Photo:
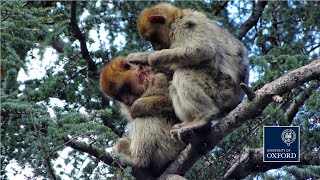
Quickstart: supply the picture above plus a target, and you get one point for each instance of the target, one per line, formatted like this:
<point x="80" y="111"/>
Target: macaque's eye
<point x="126" y="67"/>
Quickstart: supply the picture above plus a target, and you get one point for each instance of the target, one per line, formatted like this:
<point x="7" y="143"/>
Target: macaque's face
<point x="124" y="81"/>
<point x="158" y="36"/>
<point x="153" y="28"/>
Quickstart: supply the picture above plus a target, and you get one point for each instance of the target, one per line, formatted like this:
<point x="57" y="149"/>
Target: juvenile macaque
<point x="208" y="63"/>
<point x="145" y="100"/>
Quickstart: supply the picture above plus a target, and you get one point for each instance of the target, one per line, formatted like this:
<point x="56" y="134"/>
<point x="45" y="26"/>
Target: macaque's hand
<point x="122" y="146"/>
<point x="138" y="58"/>
<point x="137" y="108"/>
<point x="154" y="60"/>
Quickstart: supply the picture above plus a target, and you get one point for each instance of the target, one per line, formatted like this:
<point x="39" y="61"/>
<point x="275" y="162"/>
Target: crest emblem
<point x="288" y="136"/>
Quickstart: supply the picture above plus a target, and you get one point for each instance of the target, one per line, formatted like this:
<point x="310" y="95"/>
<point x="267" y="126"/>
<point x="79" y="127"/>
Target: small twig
<point x="249" y="92"/>
<point x="219" y="7"/>
<point x="120" y="165"/>
<point x="64" y="144"/>
<point x="38" y="134"/>
<point x="299" y="100"/>
<point x="252" y="20"/>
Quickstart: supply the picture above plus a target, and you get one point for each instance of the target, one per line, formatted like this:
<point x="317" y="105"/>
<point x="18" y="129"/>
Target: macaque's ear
<point x="156" y="19"/>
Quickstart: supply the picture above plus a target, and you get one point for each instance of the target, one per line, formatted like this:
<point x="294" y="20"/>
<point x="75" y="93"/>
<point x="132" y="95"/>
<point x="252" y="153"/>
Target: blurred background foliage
<point x="42" y="111"/>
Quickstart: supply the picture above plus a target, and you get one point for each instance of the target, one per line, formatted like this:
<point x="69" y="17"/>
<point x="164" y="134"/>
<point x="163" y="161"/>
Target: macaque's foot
<point x="179" y="125"/>
<point x="175" y="129"/>
<point x="183" y="132"/>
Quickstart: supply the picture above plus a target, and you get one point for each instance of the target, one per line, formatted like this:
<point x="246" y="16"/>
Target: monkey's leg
<point x="191" y="102"/>
<point x="190" y="132"/>
<point x="143" y="142"/>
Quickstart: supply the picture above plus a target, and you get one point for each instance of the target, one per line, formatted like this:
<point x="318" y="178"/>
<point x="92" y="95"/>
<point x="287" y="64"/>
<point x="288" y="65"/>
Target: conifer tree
<point x="71" y="41"/>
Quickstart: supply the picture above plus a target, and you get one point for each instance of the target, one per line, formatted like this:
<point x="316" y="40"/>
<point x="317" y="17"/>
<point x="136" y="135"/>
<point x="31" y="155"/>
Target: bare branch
<point x="243" y="112"/>
<point x="64" y="144"/>
<point x="298" y="102"/>
<point x="78" y="34"/>
<point x="100" y="154"/>
<point x="218" y="7"/>
<point x="252" y="20"/>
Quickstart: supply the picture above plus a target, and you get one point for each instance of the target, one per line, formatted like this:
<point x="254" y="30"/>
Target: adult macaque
<point x="145" y="100"/>
<point x="208" y="63"/>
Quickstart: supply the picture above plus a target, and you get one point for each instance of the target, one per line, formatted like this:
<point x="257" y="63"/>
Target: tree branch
<point x="77" y="33"/>
<point x="239" y="160"/>
<point x="100" y="154"/>
<point x="218" y="7"/>
<point x="252" y="20"/>
<point x="105" y="157"/>
<point x="298" y="102"/>
<point x="242" y="113"/>
<point x="251" y="161"/>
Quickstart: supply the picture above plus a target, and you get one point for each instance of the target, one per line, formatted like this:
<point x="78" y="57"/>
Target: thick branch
<point x="298" y="102"/>
<point x="252" y="161"/>
<point x="77" y="32"/>
<point x="100" y="154"/>
<point x="218" y="6"/>
<point x="250" y="109"/>
<point x="243" y="112"/>
<point x="252" y="20"/>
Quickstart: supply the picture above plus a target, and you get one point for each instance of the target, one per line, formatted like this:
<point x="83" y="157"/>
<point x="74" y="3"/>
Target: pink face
<point x="124" y="81"/>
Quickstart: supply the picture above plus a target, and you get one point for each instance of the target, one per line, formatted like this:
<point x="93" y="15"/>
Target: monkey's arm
<point x="151" y="106"/>
<point x="140" y="57"/>
<point x="179" y="57"/>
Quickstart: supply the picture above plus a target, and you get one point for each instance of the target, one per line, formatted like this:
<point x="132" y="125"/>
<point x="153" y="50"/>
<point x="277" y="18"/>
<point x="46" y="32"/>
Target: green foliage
<point x="34" y="130"/>
<point x="304" y="173"/>
<point x="271" y="67"/>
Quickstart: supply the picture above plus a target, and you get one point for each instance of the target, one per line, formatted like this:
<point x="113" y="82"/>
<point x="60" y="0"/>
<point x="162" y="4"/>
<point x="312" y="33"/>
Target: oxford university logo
<point x="288" y="136"/>
<point x="281" y="144"/>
